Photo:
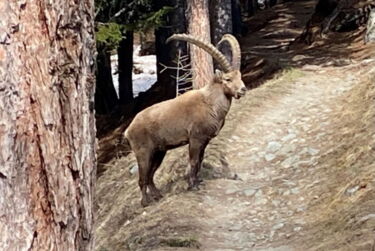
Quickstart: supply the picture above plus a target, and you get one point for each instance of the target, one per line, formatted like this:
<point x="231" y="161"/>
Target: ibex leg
<point x="196" y="153"/>
<point x="156" y="161"/>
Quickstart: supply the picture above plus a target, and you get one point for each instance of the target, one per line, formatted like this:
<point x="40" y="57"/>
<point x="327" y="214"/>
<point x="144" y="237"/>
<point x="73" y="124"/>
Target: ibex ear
<point x="218" y="73"/>
<point x="218" y="78"/>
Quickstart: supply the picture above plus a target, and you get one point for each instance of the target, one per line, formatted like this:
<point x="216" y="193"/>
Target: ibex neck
<point x="217" y="100"/>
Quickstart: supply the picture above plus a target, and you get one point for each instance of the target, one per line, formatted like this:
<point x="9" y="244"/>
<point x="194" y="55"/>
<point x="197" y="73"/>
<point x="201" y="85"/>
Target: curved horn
<point x="208" y="47"/>
<point x="236" y="50"/>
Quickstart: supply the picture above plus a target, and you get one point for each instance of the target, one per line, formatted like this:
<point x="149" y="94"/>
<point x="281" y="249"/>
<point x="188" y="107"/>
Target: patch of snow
<point x="141" y="81"/>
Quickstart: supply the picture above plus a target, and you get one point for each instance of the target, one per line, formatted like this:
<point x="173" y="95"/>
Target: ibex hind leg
<point x="144" y="165"/>
<point x="156" y="161"/>
<point x="196" y="153"/>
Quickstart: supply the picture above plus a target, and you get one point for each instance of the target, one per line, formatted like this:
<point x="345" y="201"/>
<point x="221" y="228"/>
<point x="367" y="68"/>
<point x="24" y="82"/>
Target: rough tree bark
<point x="125" y="68"/>
<point x="199" y="26"/>
<point x="47" y="125"/>
<point x="167" y="54"/>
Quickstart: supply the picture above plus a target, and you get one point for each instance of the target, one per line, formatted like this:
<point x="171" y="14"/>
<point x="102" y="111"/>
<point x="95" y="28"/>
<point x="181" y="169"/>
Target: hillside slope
<point x="292" y="169"/>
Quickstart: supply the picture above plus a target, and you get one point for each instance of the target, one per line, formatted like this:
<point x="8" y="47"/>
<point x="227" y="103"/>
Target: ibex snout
<point x="240" y="93"/>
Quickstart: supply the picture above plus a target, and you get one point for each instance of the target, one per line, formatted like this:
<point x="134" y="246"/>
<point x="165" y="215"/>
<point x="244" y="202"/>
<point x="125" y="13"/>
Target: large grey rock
<point x="249" y="192"/>
<point x="273" y="146"/>
<point x="269" y="156"/>
<point x="289" y="161"/>
<point x="278" y="226"/>
<point x="288" y="137"/>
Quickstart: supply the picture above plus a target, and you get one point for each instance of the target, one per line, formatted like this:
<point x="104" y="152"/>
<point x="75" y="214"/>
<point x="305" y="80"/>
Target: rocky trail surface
<point x="276" y="153"/>
<point x="292" y="169"/>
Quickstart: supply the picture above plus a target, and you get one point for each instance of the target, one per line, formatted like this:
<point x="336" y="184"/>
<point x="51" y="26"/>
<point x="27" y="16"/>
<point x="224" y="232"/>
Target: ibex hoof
<point x="194" y="187"/>
<point x="145" y="202"/>
<point x="157" y="196"/>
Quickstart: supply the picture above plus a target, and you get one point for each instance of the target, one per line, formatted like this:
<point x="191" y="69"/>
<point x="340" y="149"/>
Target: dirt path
<point x="275" y="152"/>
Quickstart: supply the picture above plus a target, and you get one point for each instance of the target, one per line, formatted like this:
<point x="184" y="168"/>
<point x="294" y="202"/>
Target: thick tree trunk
<point x="47" y="125"/>
<point x="221" y="23"/>
<point x="220" y="19"/>
<point x="252" y="7"/>
<point x="237" y="19"/>
<point x="105" y="96"/>
<point x="125" y="68"/>
<point x="167" y="54"/>
<point x="199" y="26"/>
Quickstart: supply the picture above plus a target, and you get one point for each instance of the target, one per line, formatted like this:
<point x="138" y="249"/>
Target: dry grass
<point x="347" y="212"/>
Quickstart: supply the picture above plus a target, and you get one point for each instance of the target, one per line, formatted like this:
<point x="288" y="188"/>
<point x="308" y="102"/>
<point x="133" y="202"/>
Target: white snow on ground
<point x="142" y="81"/>
<point x="114" y="69"/>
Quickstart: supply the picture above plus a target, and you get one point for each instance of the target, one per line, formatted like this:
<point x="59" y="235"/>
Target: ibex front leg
<point x="196" y="153"/>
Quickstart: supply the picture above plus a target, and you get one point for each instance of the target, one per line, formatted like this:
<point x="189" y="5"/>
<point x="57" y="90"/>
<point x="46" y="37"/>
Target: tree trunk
<point x="199" y="26"/>
<point x="221" y="23"/>
<point x="237" y="19"/>
<point x="252" y="7"/>
<point x="125" y="68"/>
<point x="220" y="19"/>
<point x="313" y="27"/>
<point x="47" y="125"/>
<point x="167" y="54"/>
<point x="105" y="95"/>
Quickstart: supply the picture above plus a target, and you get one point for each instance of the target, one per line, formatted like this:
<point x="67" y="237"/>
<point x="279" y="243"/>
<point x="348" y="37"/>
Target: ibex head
<point x="231" y="75"/>
<point x="232" y="78"/>
<point x="232" y="83"/>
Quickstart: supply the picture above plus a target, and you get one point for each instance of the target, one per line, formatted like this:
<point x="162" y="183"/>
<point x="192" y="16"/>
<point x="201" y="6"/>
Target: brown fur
<point x="193" y="118"/>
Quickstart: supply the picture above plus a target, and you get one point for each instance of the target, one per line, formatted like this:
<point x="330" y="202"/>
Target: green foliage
<point x="154" y="19"/>
<point x="109" y="34"/>
<point x="122" y="11"/>
<point x="117" y="16"/>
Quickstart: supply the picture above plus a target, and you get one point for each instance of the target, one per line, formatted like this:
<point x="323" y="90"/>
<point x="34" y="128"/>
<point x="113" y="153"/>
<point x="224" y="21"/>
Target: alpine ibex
<point x="193" y="118"/>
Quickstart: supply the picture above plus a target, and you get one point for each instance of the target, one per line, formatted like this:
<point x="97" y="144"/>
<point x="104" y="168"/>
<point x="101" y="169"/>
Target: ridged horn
<point x="235" y="48"/>
<point x="208" y="47"/>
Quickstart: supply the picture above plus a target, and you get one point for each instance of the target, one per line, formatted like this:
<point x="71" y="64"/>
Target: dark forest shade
<point x="221" y="23"/>
<point x="236" y="18"/>
<point x="125" y="67"/>
<point x="220" y="19"/>
<point x="167" y="54"/>
<point x="105" y="96"/>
